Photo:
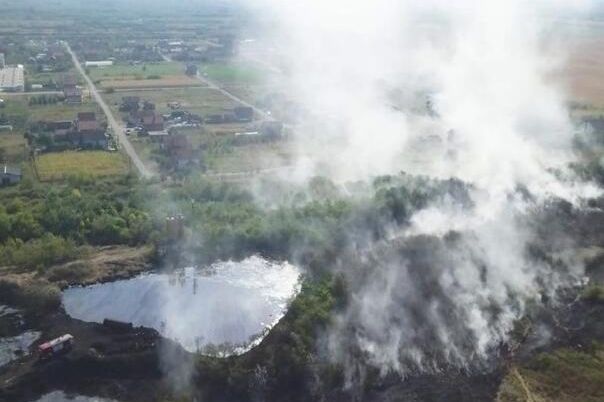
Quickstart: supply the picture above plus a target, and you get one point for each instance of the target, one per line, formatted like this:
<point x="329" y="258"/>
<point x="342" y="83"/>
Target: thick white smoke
<point x="444" y="89"/>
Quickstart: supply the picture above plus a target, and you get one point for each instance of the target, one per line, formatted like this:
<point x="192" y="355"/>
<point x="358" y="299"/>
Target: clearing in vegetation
<point x="231" y="73"/>
<point x="151" y="75"/>
<point x="57" y="166"/>
<point x="139" y="70"/>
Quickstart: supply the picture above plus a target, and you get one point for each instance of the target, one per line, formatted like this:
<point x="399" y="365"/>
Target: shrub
<point x="38" y="253"/>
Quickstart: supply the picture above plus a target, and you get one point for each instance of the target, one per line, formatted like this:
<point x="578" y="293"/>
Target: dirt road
<point x="216" y="87"/>
<point x="117" y="128"/>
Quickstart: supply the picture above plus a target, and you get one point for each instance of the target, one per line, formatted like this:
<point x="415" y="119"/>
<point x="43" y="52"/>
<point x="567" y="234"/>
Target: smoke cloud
<point x="446" y="90"/>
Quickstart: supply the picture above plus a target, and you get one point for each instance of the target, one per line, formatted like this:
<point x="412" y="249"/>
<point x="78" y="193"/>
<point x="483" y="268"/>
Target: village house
<point x="244" y="114"/>
<point x="94" y="139"/>
<point x="10" y="175"/>
<point x="149" y="120"/>
<point x="180" y="151"/>
<point x="61" y="127"/>
<point x="98" y="63"/>
<point x="191" y="70"/>
<point x="87" y="122"/>
<point x="72" y="95"/>
<point x="69" y="80"/>
<point x="271" y="129"/>
<point x="130" y="104"/>
<point x="84" y="132"/>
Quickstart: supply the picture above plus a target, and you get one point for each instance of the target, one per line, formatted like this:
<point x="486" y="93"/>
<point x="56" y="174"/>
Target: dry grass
<point x="14" y="146"/>
<point x="57" y="166"/>
<point x="565" y="375"/>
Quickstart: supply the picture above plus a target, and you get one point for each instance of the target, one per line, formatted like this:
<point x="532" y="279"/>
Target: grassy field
<point x="201" y="101"/>
<point x="249" y="158"/>
<point x="60" y="111"/>
<point x="33" y="77"/>
<point x="56" y="166"/>
<point x="13" y="146"/>
<point x="19" y="112"/>
<point x="205" y="101"/>
<point x="142" y="70"/>
<point x="164" y="82"/>
<point x="151" y="75"/>
<point x="230" y="73"/>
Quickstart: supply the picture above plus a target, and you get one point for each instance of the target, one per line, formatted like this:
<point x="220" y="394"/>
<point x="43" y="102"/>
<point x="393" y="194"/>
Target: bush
<point x="69" y="273"/>
<point x="38" y="253"/>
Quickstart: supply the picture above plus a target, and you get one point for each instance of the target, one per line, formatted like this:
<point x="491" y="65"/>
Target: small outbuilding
<point x="10" y="175"/>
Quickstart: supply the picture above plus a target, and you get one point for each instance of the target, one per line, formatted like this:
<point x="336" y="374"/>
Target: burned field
<point x="331" y="212"/>
<point x="117" y="361"/>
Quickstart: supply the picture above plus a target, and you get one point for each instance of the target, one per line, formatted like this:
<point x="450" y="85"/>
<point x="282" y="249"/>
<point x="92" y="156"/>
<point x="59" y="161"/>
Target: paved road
<point x="117" y="128"/>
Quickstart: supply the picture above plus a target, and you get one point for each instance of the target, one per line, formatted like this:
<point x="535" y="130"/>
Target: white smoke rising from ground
<point x="363" y="71"/>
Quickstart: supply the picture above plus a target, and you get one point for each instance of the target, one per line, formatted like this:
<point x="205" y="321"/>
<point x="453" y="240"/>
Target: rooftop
<point x="86" y="116"/>
<point x="11" y="170"/>
<point x="11" y="78"/>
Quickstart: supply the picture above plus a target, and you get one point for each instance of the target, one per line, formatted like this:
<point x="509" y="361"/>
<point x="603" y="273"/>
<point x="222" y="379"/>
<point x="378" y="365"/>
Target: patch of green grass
<point x="57" y="166"/>
<point x="232" y="73"/>
<point x="142" y="70"/>
<point x="19" y="112"/>
<point x="13" y="146"/>
<point x="34" y="77"/>
<point x="201" y="101"/>
<point x="60" y="111"/>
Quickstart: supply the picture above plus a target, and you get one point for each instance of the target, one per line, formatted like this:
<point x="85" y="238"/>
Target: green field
<point x="13" y="147"/>
<point x="20" y="113"/>
<point x="201" y="101"/>
<point x="249" y="158"/>
<point x="60" y="111"/>
<point x="233" y="73"/>
<point x="57" y="166"/>
<point x="142" y="70"/>
<point x="33" y="77"/>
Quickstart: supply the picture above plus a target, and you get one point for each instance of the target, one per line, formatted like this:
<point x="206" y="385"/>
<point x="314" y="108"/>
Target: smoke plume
<point x="446" y="90"/>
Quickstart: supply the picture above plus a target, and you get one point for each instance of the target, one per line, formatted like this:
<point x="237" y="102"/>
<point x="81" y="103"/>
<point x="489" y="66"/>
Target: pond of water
<point x="222" y="309"/>
<point x="60" y="396"/>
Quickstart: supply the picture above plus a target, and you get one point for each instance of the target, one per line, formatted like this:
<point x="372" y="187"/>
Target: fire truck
<point x="55" y="347"/>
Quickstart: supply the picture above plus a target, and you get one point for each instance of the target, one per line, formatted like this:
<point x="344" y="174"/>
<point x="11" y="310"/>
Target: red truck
<point x="60" y="345"/>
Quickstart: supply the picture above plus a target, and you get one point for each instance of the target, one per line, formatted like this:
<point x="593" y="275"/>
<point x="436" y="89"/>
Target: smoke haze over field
<point x="443" y="89"/>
